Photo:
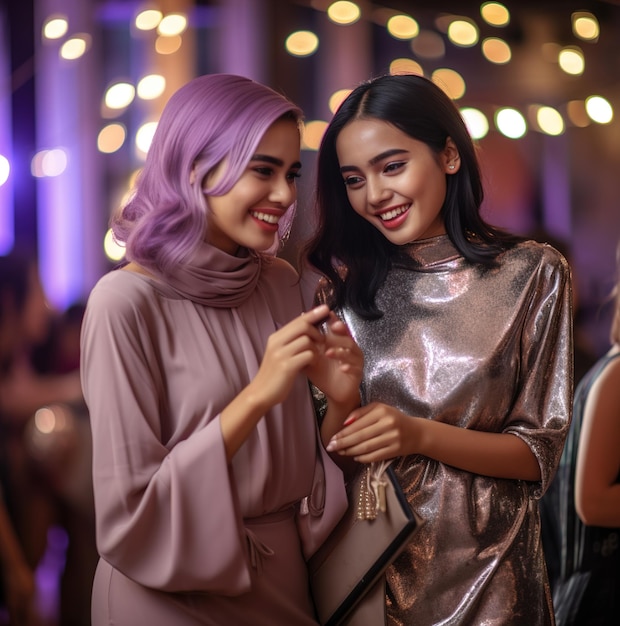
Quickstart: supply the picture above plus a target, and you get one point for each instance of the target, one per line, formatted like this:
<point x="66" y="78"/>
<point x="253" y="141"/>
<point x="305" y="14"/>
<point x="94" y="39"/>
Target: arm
<point x="377" y="432"/>
<point x="296" y="346"/>
<point x="530" y="432"/>
<point x="148" y="494"/>
<point x="17" y="575"/>
<point x="152" y="483"/>
<point x="338" y="374"/>
<point x="597" y="491"/>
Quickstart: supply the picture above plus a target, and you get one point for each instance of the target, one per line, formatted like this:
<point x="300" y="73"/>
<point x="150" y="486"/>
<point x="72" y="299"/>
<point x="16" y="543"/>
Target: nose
<point x="377" y="191"/>
<point x="283" y="191"/>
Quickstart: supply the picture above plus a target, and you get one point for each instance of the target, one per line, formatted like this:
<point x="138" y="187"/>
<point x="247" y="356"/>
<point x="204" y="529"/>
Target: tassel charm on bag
<point x="366" y="502"/>
<point x="347" y="572"/>
<point x="372" y="498"/>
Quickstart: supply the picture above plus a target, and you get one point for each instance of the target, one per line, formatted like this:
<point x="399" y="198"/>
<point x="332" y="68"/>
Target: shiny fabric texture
<point x="486" y="349"/>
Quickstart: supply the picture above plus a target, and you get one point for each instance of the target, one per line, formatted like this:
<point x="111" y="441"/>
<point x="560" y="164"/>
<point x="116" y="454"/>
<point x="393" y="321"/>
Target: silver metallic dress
<point x="489" y="350"/>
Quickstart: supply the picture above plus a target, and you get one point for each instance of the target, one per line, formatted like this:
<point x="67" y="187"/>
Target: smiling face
<point x="395" y="182"/>
<point x="249" y="213"/>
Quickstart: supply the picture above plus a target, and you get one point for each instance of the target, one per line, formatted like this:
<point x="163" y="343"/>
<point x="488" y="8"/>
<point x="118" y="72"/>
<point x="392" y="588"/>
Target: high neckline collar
<point x="215" y="278"/>
<point x="428" y="253"/>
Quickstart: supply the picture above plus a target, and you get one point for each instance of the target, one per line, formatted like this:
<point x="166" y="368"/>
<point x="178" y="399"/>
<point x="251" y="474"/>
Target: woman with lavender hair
<point x="211" y="487"/>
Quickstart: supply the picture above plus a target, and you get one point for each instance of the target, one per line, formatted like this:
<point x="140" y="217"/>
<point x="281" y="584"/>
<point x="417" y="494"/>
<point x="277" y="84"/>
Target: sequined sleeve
<point x="542" y="409"/>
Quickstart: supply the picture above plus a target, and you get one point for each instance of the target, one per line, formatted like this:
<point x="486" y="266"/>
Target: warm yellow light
<point x="168" y="45"/>
<point x="55" y="27"/>
<point x="406" y="66"/>
<point x="75" y="47"/>
<point x="144" y="137"/>
<point x="463" y="32"/>
<point x="599" y="109"/>
<point x="337" y="98"/>
<point x="403" y="27"/>
<point x="476" y="122"/>
<point x="113" y="250"/>
<point x="302" y="43"/>
<point x="495" y="14"/>
<point x="148" y="19"/>
<point x="496" y="50"/>
<point x="571" y="60"/>
<point x="151" y="86"/>
<point x="111" y="138"/>
<point x="585" y="25"/>
<point x="450" y="81"/>
<point x="510" y="123"/>
<point x="173" y="24"/>
<point x="344" y="12"/>
<point x="313" y="133"/>
<point x="549" y="121"/>
<point x="119" y="95"/>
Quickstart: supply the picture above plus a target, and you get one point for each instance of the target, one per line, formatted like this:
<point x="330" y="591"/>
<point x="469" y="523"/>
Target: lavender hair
<point x="213" y="119"/>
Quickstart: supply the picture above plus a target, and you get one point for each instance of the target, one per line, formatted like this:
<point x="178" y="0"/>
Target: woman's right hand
<point x="289" y="350"/>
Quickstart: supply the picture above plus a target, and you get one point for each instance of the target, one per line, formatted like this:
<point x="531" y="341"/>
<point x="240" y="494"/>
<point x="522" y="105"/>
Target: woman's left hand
<point x="337" y="371"/>
<point x="376" y="432"/>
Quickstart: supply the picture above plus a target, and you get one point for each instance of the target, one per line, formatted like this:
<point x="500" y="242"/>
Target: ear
<point x="450" y="158"/>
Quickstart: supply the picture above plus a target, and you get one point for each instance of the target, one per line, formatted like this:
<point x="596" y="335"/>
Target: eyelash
<point x="268" y="171"/>
<point x="352" y="180"/>
<point x="394" y="166"/>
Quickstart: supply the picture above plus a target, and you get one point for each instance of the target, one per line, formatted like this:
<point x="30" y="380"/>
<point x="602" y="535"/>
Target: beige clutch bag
<point x="376" y="527"/>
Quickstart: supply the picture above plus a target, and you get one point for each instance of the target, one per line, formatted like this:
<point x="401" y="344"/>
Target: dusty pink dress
<point x="184" y="537"/>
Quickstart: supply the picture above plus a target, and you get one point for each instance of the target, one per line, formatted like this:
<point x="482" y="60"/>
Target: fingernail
<point x="349" y="420"/>
<point x="331" y="446"/>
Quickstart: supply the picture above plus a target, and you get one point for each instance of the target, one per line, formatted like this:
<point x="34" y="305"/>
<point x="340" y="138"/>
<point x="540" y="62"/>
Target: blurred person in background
<point x="18" y="586"/>
<point x="552" y="504"/>
<point x="27" y="324"/>
<point x="588" y="591"/>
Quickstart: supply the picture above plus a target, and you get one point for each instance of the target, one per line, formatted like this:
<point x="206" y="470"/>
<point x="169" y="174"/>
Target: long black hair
<point x="346" y="241"/>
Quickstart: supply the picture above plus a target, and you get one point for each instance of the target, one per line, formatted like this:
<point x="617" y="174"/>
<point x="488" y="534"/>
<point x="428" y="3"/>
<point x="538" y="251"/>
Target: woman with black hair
<point x="466" y="334"/>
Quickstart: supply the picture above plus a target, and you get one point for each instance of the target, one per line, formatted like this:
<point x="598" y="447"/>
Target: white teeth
<point x="390" y="215"/>
<point x="266" y="217"/>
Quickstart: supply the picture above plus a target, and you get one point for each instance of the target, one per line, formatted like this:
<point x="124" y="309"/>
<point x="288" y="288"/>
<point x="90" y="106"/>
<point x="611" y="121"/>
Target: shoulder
<point x="537" y="258"/>
<point x="279" y="269"/>
<point x="120" y="294"/>
<point x="608" y="378"/>
<point x="542" y="253"/>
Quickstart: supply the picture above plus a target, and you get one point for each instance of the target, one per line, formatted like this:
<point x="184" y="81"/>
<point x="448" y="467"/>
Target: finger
<point x="318" y="315"/>
<point x="301" y="326"/>
<point x="382" y="454"/>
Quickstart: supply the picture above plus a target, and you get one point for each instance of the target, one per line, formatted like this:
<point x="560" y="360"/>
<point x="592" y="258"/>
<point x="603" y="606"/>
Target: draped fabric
<point x="186" y="538"/>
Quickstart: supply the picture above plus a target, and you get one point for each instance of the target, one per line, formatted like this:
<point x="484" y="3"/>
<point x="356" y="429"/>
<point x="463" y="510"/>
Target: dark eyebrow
<point x="376" y="159"/>
<point x="274" y="161"/>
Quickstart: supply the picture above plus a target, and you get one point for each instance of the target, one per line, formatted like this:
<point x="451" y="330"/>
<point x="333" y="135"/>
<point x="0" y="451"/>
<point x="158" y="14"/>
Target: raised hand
<point x="289" y="351"/>
<point x="337" y="370"/>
